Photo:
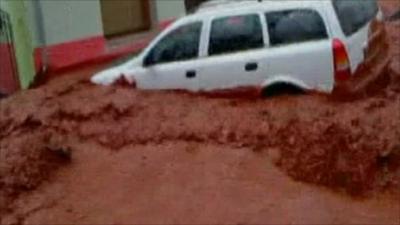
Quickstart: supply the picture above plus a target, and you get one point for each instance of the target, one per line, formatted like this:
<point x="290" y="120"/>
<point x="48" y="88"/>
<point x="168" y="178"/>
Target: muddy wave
<point x="345" y="145"/>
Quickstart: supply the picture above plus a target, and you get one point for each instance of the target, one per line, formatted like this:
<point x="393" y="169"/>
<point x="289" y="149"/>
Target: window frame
<point x="162" y="36"/>
<point x="207" y="36"/>
<point x="320" y="13"/>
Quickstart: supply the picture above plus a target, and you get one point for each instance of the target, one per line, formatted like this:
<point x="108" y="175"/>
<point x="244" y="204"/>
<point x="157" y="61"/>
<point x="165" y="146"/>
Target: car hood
<point x="111" y="75"/>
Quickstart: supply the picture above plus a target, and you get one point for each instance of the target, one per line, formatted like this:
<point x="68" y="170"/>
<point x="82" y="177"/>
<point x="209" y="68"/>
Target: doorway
<point x="122" y="16"/>
<point x="9" y="81"/>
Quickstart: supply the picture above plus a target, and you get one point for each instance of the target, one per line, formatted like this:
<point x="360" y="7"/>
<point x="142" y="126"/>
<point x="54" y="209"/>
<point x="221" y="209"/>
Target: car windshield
<point x="124" y="59"/>
<point x="354" y="14"/>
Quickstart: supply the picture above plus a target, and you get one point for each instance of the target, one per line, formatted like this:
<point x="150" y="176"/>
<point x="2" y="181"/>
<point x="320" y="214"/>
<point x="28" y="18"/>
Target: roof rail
<point x="217" y="3"/>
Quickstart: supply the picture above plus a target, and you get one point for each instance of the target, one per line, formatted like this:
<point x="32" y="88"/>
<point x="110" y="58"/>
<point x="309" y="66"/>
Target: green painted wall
<point x="32" y="22"/>
<point x="22" y="39"/>
<point x="3" y="38"/>
<point x="167" y="9"/>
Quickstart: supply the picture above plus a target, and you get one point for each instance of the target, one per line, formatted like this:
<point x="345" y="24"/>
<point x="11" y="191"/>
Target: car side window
<point x="295" y="26"/>
<point x="354" y="14"/>
<point x="235" y="33"/>
<point x="180" y="44"/>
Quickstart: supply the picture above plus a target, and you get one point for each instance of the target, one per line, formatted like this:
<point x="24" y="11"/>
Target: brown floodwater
<point x="73" y="152"/>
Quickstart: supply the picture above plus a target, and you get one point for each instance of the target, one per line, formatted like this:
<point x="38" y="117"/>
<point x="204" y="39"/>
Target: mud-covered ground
<point x="72" y="152"/>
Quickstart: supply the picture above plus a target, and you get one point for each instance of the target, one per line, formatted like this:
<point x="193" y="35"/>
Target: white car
<point x="312" y="45"/>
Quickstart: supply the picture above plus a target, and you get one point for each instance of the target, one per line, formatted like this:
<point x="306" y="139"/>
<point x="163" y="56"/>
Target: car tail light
<point x="341" y="61"/>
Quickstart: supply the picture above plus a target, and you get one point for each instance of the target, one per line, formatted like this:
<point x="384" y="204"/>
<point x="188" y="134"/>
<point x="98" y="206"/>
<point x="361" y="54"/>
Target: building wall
<point x="72" y="30"/>
<point x="32" y="22"/>
<point x="22" y="42"/>
<point x="191" y="5"/>
<point x="167" y="9"/>
<point x="66" y="20"/>
<point x="9" y="81"/>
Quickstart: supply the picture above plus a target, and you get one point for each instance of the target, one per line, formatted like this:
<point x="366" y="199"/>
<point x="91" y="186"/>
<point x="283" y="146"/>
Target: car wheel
<point x="281" y="89"/>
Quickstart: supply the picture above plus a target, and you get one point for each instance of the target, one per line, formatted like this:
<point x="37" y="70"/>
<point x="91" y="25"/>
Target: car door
<point x="300" y="48"/>
<point x="172" y="62"/>
<point x="234" y="50"/>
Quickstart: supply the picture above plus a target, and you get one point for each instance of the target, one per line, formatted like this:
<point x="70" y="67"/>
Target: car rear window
<point x="295" y="26"/>
<point x="235" y="33"/>
<point x="354" y="14"/>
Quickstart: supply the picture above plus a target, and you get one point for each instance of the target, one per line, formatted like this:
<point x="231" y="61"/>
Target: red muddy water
<point x="73" y="152"/>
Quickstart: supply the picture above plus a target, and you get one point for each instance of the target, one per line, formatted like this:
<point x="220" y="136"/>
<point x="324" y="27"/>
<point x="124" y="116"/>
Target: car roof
<point x="221" y="7"/>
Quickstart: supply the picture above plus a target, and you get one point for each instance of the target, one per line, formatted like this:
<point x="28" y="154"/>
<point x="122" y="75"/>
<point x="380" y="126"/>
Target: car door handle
<point x="190" y="73"/>
<point x="251" y="66"/>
